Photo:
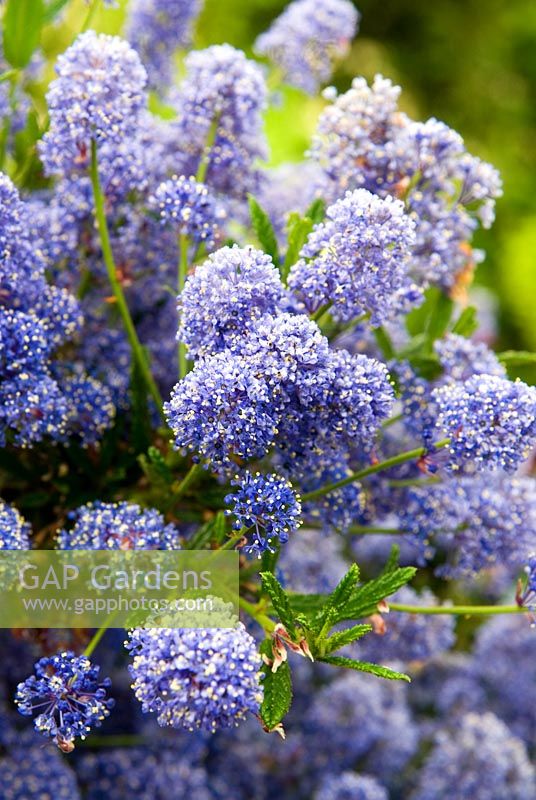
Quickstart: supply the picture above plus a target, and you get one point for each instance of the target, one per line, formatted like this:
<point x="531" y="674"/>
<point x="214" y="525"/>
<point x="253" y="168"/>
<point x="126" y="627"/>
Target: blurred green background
<point x="471" y="63"/>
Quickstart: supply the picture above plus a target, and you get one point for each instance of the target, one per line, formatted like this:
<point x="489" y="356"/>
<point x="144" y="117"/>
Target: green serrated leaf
<point x="22" y="23"/>
<point x="364" y="666"/>
<point x="392" y="561"/>
<point x="263" y="229"/>
<point x="307" y="603"/>
<point x="280" y="601"/>
<point x="344" y="589"/>
<point x="277" y="690"/>
<point x="342" y="638"/>
<point x="298" y="228"/>
<point x="316" y="211"/>
<point x="155" y="468"/>
<point x="366" y="598"/>
<point x="467" y="322"/>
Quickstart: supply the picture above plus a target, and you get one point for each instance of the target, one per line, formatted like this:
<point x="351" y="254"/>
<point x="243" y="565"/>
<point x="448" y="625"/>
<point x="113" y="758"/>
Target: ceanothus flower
<point x="118" y="526"/>
<point x="350" y="786"/>
<point x="307" y="38"/>
<point x="14" y="530"/>
<point x="187" y="207"/>
<point x="35" y="772"/>
<point x="98" y="95"/>
<point x="205" y="678"/>
<point x="225" y="296"/>
<point x="479" y="759"/>
<point x="91" y="410"/>
<point x="461" y="358"/>
<point x="225" y="408"/>
<point x="68" y="696"/>
<point x="143" y="773"/>
<point x="356" y="262"/>
<point x="527" y="596"/>
<point x="268" y="509"/>
<point x="409" y="637"/>
<point x="156" y="29"/>
<point x="220" y="104"/>
<point x="33" y="409"/>
<point x="490" y="421"/>
<point x="479" y="520"/>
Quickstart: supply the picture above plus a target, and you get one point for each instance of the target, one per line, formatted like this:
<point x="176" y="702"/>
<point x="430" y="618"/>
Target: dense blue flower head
<point x="118" y="526"/>
<point x="268" y="505"/>
<point x="481" y="760"/>
<point x="224" y="90"/>
<point x="358" y="259"/>
<point x="14" y="530"/>
<point x="224" y="408"/>
<point x="480" y="521"/>
<point x="187" y="207"/>
<point x="362" y="719"/>
<point x="225" y="296"/>
<point x="350" y="786"/>
<point x="68" y="697"/>
<point x="141" y="773"/>
<point x="156" y="29"/>
<point x="504" y="664"/>
<point x="409" y="637"/>
<point x="204" y="678"/>
<point x="24" y="345"/>
<point x="460" y="358"/>
<point x="98" y="94"/>
<point x="33" y="409"/>
<point x="528" y="594"/>
<point x="308" y="36"/>
<point x="91" y="410"/>
<point x="364" y="141"/>
<point x="490" y="421"/>
<point x="36" y="773"/>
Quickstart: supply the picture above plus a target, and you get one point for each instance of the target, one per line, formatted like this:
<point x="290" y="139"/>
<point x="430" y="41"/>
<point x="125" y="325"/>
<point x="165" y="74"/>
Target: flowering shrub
<point x="200" y="352"/>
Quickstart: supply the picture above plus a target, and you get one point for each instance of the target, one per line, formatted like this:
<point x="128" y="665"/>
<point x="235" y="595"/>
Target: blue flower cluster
<point x="266" y="508"/>
<point x="307" y="38"/>
<point x="357" y="261"/>
<point x="34" y="772"/>
<point x="68" y="697"/>
<point x="196" y="678"/>
<point x="118" y="526"/>
<point x="187" y="207"/>
<point x="156" y="29"/>
<point x="363" y="141"/>
<point x="14" y="530"/>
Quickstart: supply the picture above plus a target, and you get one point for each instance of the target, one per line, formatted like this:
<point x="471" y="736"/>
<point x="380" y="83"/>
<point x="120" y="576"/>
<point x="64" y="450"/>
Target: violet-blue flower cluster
<point x="68" y="697"/>
<point x="196" y="678"/>
<point x="14" y="530"/>
<point x="266" y="508"/>
<point x="118" y="526"/>
<point x="186" y="206"/>
<point x="307" y="38"/>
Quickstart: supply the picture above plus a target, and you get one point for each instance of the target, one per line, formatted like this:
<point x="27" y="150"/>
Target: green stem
<point x="90" y="15"/>
<point x="124" y="740"/>
<point x="183" y="270"/>
<point x="233" y="540"/>
<point x="264" y="621"/>
<point x="137" y="349"/>
<point x="6" y="76"/>
<point x="321" y="311"/>
<point x="192" y="474"/>
<point x="363" y="530"/>
<point x="401" y="458"/>
<point x="211" y="138"/>
<point x="96" y="638"/>
<point x="458" y="610"/>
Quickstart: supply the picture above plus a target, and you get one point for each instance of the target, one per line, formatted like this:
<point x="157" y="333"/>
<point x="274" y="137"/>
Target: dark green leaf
<point x="213" y="530"/>
<point x="467" y="322"/>
<point x="392" y="561"/>
<point x="307" y="603"/>
<point x="33" y="499"/>
<point x="280" y="601"/>
<point x="427" y="366"/>
<point x="384" y="342"/>
<point x="277" y="690"/>
<point x="263" y="229"/>
<point x="440" y="317"/>
<point x="364" y="666"/>
<point x="342" y="638"/>
<point x="316" y="211"/>
<point x="298" y="228"/>
<point x="23" y="20"/>
<point x="344" y="589"/>
<point x="155" y="468"/>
